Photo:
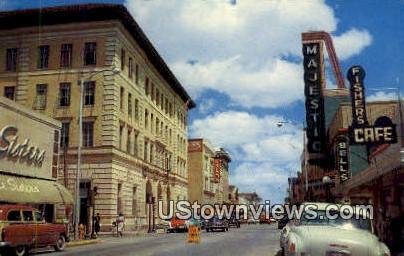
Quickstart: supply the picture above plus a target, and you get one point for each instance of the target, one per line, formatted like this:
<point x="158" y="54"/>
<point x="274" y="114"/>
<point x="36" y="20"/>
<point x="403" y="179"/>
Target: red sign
<point x="217" y="169"/>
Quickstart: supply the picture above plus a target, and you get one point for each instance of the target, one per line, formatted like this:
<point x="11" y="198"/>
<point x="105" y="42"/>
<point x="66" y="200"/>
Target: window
<point x="28" y="216"/>
<point x="121" y="98"/>
<point x="66" y="55"/>
<point x="9" y="92"/>
<point x="120" y="136"/>
<point x="64" y="139"/>
<point x="146" y="86"/>
<point x="136" y="109"/>
<point x="135" y="144"/>
<point x="134" y="202"/>
<point x="64" y="94"/>
<point x="40" y="100"/>
<point x="43" y="60"/>
<point x="146" y="118"/>
<point x="152" y="92"/>
<point x="88" y="134"/>
<point x="157" y="97"/>
<point x="130" y="67"/>
<point x="151" y="153"/>
<point x="11" y="59"/>
<point x="90" y="53"/>
<point x="128" y="142"/>
<point x="130" y="105"/>
<point x="89" y="93"/>
<point x="123" y="57"/>
<point x="146" y="148"/>
<point x="120" y="206"/>
<point x="137" y="74"/>
<point x="39" y="217"/>
<point x="14" y="216"/>
<point x="151" y="123"/>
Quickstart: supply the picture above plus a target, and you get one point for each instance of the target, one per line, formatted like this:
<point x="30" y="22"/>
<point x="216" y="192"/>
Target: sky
<point x="241" y="62"/>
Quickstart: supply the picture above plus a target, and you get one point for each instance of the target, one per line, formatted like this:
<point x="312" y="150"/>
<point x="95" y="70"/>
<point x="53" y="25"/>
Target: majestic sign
<point x="10" y="146"/>
<point x="342" y="159"/>
<point x="382" y="132"/>
<point x="314" y="100"/>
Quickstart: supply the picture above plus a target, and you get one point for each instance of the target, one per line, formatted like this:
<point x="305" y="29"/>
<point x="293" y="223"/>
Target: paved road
<point x="248" y="240"/>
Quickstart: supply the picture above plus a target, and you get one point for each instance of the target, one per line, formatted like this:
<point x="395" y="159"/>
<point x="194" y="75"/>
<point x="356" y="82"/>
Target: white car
<point x="323" y="236"/>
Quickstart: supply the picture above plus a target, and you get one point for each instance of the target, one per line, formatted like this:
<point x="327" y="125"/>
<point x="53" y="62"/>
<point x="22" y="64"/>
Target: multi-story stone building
<point x="134" y="132"/>
<point x="201" y="182"/>
<point x="208" y="173"/>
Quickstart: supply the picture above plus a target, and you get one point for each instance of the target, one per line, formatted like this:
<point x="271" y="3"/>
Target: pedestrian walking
<point x="120" y="221"/>
<point x="97" y="220"/>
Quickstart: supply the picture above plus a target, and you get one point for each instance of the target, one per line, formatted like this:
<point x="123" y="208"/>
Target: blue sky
<point x="241" y="62"/>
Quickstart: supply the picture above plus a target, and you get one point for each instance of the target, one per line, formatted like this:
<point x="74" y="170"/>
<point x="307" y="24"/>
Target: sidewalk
<point x="74" y="243"/>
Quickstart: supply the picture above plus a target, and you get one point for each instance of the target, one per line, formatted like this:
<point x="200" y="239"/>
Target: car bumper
<point x="4" y="244"/>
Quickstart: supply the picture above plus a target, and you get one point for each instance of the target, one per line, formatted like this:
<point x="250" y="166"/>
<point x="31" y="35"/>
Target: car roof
<point x="5" y="208"/>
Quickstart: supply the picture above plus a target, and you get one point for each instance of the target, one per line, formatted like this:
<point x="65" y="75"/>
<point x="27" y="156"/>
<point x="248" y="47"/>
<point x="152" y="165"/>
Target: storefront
<point x="29" y="160"/>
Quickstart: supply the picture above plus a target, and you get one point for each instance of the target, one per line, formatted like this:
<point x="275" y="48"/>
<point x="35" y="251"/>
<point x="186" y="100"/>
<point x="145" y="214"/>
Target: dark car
<point x="216" y="223"/>
<point x="234" y="222"/>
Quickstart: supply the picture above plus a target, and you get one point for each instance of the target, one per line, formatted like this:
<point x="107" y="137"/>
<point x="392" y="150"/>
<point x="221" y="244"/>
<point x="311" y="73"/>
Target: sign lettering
<point x="342" y="158"/>
<point x="10" y="147"/>
<point x="314" y="101"/>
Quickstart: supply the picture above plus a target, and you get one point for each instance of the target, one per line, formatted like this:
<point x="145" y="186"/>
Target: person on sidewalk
<point x="97" y="220"/>
<point x="120" y="221"/>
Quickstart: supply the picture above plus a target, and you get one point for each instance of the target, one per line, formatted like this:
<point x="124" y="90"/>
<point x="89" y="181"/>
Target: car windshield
<point x="321" y="219"/>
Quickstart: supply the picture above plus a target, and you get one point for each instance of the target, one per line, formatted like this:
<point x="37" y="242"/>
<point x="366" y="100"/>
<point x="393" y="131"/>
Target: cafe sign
<point x="382" y="132"/>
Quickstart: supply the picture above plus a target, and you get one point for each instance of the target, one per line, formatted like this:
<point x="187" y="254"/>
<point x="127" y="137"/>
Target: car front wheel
<point x="60" y="243"/>
<point x="20" y="250"/>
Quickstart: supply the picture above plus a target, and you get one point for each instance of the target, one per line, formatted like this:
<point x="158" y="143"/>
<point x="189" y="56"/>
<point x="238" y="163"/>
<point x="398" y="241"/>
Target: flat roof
<point x="94" y="12"/>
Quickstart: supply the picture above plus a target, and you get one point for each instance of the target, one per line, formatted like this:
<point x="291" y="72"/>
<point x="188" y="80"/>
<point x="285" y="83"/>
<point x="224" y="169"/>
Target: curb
<point x="83" y="242"/>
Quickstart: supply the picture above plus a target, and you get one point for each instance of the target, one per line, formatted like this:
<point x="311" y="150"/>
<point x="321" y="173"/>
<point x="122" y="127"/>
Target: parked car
<point x="216" y="223"/>
<point x="252" y="221"/>
<point x="234" y="222"/>
<point x="177" y="225"/>
<point x="332" y="236"/>
<point x="23" y="227"/>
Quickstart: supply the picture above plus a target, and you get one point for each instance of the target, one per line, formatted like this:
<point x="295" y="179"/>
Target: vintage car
<point x="216" y="223"/>
<point x="177" y="225"/>
<point x="23" y="227"/>
<point x="326" y="236"/>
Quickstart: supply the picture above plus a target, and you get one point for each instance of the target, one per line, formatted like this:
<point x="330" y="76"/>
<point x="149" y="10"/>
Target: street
<point x="248" y="240"/>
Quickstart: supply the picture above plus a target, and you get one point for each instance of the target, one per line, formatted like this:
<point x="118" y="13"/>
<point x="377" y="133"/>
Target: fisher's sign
<point x="314" y="100"/>
<point x="12" y="148"/>
<point x="382" y="132"/>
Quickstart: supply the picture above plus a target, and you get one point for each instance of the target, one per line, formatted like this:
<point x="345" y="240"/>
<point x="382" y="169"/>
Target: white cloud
<point x="276" y="84"/>
<point x="382" y="96"/>
<point x="351" y="43"/>
<point x="241" y="48"/>
<point x="266" y="153"/>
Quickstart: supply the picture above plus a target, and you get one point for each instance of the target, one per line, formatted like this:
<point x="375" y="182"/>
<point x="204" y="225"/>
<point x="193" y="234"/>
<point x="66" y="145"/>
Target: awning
<point x="14" y="189"/>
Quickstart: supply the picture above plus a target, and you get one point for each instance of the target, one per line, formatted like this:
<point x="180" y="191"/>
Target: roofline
<point x="95" y="12"/>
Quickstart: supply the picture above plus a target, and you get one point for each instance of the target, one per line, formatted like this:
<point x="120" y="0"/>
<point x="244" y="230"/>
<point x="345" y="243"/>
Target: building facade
<point x="134" y="130"/>
<point x="201" y="183"/>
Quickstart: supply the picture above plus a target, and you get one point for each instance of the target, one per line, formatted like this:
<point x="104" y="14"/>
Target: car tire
<point x="207" y="230"/>
<point x="60" y="243"/>
<point x="21" y="250"/>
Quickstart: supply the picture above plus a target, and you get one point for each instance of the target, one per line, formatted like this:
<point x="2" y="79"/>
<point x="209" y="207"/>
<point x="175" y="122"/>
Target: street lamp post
<point x="327" y="183"/>
<point x="79" y="146"/>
